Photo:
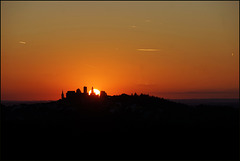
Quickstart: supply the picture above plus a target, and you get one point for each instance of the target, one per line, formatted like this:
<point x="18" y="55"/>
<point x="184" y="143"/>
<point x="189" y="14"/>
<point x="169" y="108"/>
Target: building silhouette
<point x="78" y="91"/>
<point x="78" y="95"/>
<point x="85" y="89"/>
<point x="103" y="94"/>
<point x="70" y="95"/>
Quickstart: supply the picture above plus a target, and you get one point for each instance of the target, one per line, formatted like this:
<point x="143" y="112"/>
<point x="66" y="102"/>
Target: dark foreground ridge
<point x="119" y="127"/>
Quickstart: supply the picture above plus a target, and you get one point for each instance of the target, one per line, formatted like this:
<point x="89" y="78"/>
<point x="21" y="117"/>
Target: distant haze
<point x="174" y="50"/>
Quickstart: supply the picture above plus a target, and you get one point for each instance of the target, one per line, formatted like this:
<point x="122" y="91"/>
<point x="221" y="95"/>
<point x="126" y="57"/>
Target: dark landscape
<point x="119" y="127"/>
<point x="166" y="78"/>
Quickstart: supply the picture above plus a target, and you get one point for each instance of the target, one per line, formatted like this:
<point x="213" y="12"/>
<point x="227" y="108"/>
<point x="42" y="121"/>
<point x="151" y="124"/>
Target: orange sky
<point x="166" y="49"/>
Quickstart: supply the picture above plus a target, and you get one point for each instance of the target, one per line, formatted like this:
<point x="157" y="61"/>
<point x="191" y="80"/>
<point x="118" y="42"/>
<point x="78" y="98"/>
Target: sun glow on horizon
<point x="96" y="91"/>
<point x="158" y="48"/>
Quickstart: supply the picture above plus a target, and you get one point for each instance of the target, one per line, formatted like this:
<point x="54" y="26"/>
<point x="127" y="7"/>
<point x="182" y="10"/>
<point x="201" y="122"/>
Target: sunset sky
<point x="174" y="50"/>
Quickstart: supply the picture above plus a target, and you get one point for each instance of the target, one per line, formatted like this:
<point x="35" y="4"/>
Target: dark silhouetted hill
<point x="119" y="127"/>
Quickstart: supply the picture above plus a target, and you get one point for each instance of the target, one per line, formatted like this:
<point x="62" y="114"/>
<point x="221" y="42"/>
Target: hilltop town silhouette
<point x="78" y="96"/>
<point x="87" y="126"/>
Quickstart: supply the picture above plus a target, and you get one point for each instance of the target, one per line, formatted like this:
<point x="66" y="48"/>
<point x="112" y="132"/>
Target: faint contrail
<point x="147" y="49"/>
<point x="133" y="26"/>
<point x="22" y="42"/>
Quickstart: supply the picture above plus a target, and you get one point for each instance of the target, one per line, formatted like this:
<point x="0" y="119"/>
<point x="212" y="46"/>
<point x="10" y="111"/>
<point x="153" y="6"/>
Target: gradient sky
<point x="173" y="50"/>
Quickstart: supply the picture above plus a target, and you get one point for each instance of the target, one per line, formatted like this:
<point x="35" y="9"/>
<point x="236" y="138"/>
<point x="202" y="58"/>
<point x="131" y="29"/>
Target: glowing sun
<point x="96" y="91"/>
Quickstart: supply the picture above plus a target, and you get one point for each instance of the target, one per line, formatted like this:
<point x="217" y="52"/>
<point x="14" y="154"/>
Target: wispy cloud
<point x="151" y="50"/>
<point x="22" y="42"/>
<point x="147" y="20"/>
<point x="229" y="91"/>
<point x="133" y="26"/>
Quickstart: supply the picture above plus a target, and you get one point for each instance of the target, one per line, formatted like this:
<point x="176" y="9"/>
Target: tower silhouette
<point x="85" y="90"/>
<point x="92" y="93"/>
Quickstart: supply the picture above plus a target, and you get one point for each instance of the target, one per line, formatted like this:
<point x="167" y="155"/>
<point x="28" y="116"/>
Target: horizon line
<point x="139" y="95"/>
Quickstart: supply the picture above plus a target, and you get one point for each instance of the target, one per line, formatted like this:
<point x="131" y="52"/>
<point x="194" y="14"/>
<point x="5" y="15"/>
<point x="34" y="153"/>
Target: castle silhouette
<point x="73" y="96"/>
